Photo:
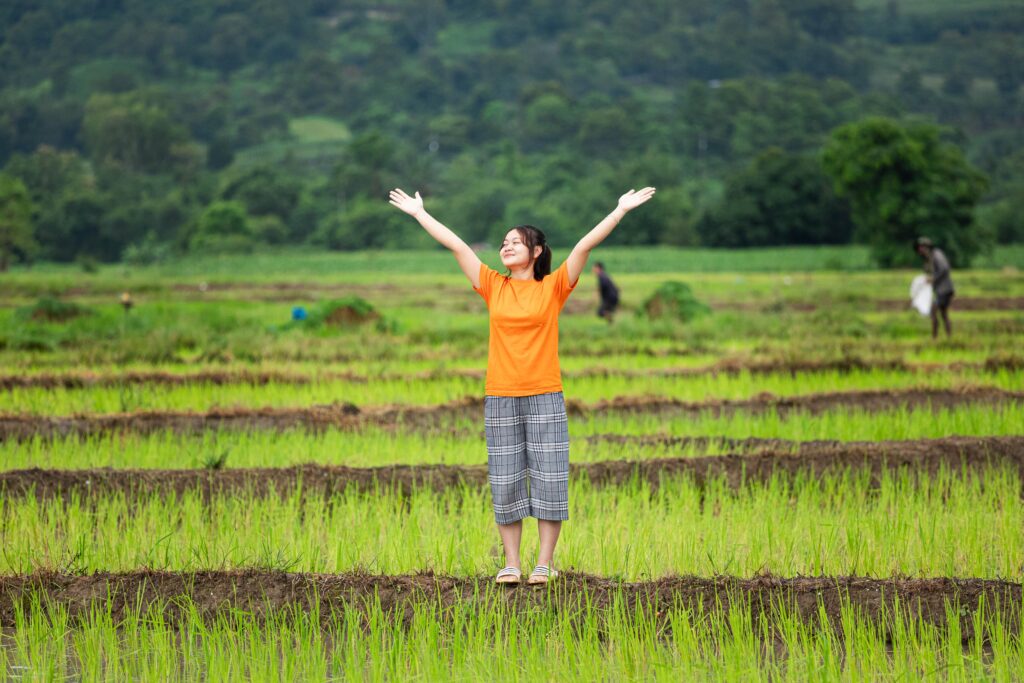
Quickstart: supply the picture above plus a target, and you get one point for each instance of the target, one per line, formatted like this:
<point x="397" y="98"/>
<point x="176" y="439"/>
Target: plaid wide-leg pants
<point x="528" y="456"/>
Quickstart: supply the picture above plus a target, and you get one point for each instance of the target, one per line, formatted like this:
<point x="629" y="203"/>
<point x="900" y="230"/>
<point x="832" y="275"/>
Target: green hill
<point x="128" y="123"/>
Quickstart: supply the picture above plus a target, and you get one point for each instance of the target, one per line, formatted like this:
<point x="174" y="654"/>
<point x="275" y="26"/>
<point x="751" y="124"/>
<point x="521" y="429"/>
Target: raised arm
<point x="467" y="258"/>
<point x="577" y="260"/>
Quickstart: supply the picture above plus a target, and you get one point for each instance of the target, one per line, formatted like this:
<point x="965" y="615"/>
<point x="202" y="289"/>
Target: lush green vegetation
<point x="461" y="641"/>
<point x="141" y="130"/>
<point x="217" y="332"/>
<point x="458" y="442"/>
<point x="891" y="175"/>
<point x="952" y="525"/>
<point x="432" y="391"/>
<point x="214" y="313"/>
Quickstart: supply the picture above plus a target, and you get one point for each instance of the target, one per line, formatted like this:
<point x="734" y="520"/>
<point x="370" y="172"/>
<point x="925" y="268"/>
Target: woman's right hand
<point x="633" y="198"/>
<point x="411" y="205"/>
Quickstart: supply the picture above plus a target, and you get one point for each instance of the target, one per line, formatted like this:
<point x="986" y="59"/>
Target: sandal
<point x="509" y="571"/>
<point x="541" y="574"/>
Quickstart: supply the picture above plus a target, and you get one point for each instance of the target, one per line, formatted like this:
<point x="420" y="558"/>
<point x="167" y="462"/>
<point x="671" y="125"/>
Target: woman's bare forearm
<point x="468" y="261"/>
<point x="467" y="258"/>
<point x="577" y="260"/>
<point x="600" y="231"/>
<point x="440" y="232"/>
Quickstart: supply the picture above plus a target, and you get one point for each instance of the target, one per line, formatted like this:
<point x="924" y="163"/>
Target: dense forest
<point x="137" y="130"/>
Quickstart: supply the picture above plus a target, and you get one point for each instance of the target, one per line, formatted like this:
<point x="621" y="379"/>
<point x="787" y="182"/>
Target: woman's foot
<point x="509" y="575"/>
<point x="542" y="573"/>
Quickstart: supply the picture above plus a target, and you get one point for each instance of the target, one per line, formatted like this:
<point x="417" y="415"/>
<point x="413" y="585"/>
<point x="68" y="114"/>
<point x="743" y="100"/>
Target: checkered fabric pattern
<point x="528" y="456"/>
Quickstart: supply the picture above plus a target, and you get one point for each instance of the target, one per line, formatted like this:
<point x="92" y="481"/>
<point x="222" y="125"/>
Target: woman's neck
<point x="524" y="273"/>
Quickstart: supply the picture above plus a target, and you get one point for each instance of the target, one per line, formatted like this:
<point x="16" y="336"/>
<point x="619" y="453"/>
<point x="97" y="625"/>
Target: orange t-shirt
<point x="522" y="356"/>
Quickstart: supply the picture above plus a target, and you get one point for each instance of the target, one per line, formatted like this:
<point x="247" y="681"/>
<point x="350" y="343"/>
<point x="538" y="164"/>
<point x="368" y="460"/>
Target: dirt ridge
<point x="257" y="592"/>
<point x="923" y="457"/>
<point x="298" y="292"/>
<point x="961" y="303"/>
<point x="349" y="416"/>
<point x="83" y="380"/>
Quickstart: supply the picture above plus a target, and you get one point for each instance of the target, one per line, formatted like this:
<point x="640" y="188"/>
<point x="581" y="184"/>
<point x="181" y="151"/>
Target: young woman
<point x="524" y="410"/>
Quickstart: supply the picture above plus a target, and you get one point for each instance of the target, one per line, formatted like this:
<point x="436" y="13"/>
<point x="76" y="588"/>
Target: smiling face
<point x="514" y="252"/>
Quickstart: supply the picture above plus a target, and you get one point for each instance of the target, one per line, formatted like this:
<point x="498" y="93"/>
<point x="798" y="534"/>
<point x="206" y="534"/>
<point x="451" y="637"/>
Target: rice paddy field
<point x="799" y="485"/>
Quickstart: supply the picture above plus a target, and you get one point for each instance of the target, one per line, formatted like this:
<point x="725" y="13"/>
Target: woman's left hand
<point x="633" y="198"/>
<point x="411" y="205"/>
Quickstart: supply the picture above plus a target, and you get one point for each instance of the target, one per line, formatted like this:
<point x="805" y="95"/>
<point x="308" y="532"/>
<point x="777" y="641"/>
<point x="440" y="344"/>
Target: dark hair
<point x="599" y="264"/>
<point x="533" y="237"/>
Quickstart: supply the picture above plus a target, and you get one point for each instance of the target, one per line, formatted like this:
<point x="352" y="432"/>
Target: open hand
<point x="633" y="198"/>
<point x="411" y="205"/>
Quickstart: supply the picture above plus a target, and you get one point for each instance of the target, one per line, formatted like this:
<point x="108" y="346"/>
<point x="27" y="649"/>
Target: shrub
<point x="346" y="312"/>
<point x="674" y="300"/>
<point x="48" y="309"/>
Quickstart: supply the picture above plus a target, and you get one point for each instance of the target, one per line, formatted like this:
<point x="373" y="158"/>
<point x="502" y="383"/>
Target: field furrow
<point x="771" y="459"/>
<point x="246" y="376"/>
<point x="931" y="601"/>
<point x="347" y="415"/>
<point x="798" y="485"/>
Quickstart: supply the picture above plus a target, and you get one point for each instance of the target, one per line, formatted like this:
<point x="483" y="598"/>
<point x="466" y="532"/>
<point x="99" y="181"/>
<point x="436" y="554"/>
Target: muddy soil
<point x="752" y="461"/>
<point x="966" y="303"/>
<point x="83" y="380"/>
<point x="144" y="422"/>
<point x="255" y="593"/>
<point x="587" y="303"/>
<point x="347" y="316"/>
<point x="292" y="289"/>
<point x="86" y="380"/>
<point x="348" y="416"/>
<point x="868" y="401"/>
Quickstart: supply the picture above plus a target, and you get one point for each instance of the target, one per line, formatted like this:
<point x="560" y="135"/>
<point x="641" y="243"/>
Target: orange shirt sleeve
<point x="489" y="279"/>
<point x="562" y="287"/>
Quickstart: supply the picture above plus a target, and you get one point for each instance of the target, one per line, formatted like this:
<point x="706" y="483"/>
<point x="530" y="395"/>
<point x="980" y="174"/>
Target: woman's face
<point x="514" y="253"/>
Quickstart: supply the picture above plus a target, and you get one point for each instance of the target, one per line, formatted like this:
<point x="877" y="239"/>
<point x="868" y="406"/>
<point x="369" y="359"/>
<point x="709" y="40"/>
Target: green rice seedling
<point x="437" y="336"/>
<point x="750" y="310"/>
<point x="38" y="401"/>
<point x="834" y="262"/>
<point x="841" y="424"/>
<point x="950" y="524"/>
<point x="482" y="637"/>
<point x="461" y="442"/>
<point x="216" y="461"/>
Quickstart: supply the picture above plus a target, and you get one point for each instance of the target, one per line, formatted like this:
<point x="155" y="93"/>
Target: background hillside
<point x="141" y="129"/>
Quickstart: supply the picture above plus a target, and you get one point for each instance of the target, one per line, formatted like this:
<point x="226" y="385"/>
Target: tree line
<point x="136" y="131"/>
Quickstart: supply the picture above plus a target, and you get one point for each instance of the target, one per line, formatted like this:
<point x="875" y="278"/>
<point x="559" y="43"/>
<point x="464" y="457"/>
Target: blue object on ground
<point x="299" y="313"/>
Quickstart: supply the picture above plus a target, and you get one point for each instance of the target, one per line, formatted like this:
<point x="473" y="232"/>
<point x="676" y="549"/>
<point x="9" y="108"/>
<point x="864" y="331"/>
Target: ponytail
<point x="542" y="266"/>
<point x="532" y="237"/>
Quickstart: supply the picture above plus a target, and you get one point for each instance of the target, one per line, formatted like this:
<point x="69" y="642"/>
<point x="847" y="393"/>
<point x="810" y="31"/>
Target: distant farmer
<point x="936" y="267"/>
<point x="608" y="291"/>
<point x="524" y="410"/>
